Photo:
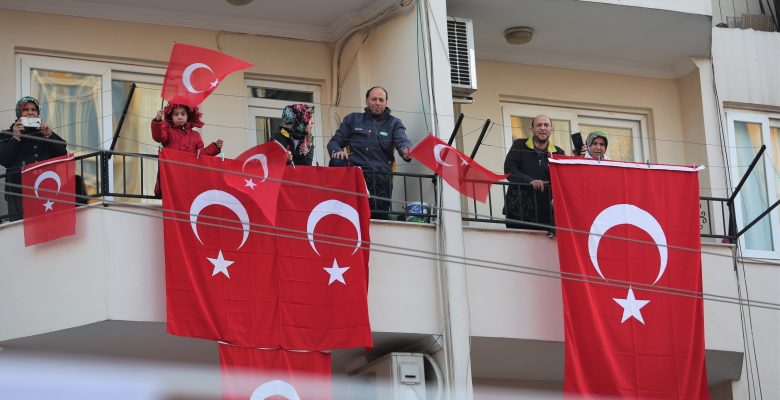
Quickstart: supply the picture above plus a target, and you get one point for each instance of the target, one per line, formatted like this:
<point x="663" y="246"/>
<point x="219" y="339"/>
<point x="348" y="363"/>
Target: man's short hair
<point x="533" y="121"/>
<point x="368" y="92"/>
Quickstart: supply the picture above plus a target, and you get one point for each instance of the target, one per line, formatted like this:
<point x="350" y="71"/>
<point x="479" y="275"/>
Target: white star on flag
<point x="215" y="83"/>
<point x="47" y="206"/>
<point x="336" y="273"/>
<point x="631" y="306"/>
<point x="250" y="183"/>
<point x="220" y="265"/>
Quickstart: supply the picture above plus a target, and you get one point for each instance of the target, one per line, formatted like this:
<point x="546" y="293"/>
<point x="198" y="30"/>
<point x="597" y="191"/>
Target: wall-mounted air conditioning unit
<point x="396" y="376"/>
<point x="463" y="72"/>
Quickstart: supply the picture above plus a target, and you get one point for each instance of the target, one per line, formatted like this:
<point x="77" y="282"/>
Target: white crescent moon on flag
<point x="437" y="154"/>
<point x="187" y="74"/>
<point x="219" y="198"/>
<point x="263" y="162"/>
<point x="275" y="388"/>
<point x="332" y="207"/>
<point x="44" y="176"/>
<point x="627" y="214"/>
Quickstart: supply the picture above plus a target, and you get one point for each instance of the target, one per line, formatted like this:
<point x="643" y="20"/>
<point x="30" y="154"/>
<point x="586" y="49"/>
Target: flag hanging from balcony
<point x="265" y="164"/>
<point x="194" y="72"/>
<point x="219" y="269"/>
<point x="322" y="257"/>
<point x="274" y="373"/>
<point x="49" y="202"/>
<point x="458" y="170"/>
<point x="633" y="312"/>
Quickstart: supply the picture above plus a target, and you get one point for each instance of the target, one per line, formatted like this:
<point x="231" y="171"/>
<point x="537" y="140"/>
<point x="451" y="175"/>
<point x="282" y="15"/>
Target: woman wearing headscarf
<point x="21" y="145"/>
<point x="295" y="133"/>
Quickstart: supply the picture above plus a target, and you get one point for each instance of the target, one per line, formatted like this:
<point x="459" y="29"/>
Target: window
<point x="747" y="132"/>
<point x="626" y="132"/>
<point x="266" y="99"/>
<point x="83" y="102"/>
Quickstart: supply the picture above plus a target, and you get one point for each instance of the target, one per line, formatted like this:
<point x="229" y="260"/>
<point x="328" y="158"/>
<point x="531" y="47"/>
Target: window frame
<point x="636" y="122"/>
<point x="766" y="120"/>
<point x="269" y="108"/>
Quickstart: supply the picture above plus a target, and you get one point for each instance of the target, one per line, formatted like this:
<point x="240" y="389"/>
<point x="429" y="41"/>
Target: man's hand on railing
<point x="538" y="185"/>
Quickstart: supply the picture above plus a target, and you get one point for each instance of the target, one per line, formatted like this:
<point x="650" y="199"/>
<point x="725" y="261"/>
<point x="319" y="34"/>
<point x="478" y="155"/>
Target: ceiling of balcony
<point x="568" y="33"/>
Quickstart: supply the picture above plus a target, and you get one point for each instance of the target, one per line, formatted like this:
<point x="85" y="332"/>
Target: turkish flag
<point x="457" y="169"/>
<point x="220" y="278"/>
<point x="194" y="72"/>
<point x="322" y="257"/>
<point x="633" y="312"/>
<point x="274" y="373"/>
<point x="49" y="200"/>
<point x="265" y="163"/>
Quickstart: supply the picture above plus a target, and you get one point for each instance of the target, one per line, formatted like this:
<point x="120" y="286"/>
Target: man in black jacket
<point x="22" y="145"/>
<point x="526" y="163"/>
<point x="372" y="136"/>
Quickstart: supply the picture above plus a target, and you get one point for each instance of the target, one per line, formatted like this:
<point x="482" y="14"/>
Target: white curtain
<point x="754" y="196"/>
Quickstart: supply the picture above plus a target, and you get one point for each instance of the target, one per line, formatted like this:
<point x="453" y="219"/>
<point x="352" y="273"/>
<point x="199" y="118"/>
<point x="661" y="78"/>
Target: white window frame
<point x="636" y="122"/>
<point x="268" y="108"/>
<point x="766" y="120"/>
<point x="107" y="72"/>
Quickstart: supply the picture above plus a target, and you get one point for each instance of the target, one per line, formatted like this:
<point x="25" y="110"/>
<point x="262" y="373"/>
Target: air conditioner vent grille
<point x="460" y="39"/>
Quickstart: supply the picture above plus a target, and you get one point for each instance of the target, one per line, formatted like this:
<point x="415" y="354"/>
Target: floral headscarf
<point x="193" y="115"/>
<point x="295" y="118"/>
<point x="24" y="100"/>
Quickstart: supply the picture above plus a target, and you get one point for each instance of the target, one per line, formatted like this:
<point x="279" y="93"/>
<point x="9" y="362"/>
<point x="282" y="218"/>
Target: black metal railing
<point x="134" y="176"/>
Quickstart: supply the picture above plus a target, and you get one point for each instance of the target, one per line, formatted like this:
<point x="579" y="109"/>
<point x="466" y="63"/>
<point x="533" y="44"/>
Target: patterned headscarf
<point x="295" y="118"/>
<point x="24" y="100"/>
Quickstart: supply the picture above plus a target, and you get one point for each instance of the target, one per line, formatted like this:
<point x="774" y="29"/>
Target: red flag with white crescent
<point x="633" y="312"/>
<point x="322" y="257"/>
<point x="262" y="168"/>
<point x="461" y="172"/>
<point x="194" y="72"/>
<point x="49" y="196"/>
<point x="220" y="278"/>
<point x="252" y="373"/>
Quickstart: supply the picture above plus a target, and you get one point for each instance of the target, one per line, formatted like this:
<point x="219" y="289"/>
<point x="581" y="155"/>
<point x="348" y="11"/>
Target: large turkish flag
<point x="633" y="313"/>
<point x="49" y="190"/>
<point x="274" y="373"/>
<point x="219" y="270"/>
<point x="461" y="172"/>
<point x="194" y="72"/>
<point x="265" y="166"/>
<point x="322" y="258"/>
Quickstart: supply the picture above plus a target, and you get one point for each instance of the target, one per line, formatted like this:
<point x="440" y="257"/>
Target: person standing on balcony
<point x="26" y="143"/>
<point x="294" y="134"/>
<point x="526" y="163"/>
<point x="174" y="128"/>
<point x="595" y="146"/>
<point x="372" y="136"/>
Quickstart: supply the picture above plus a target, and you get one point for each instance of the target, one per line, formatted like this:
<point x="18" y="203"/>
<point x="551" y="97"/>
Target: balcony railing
<point x="414" y="194"/>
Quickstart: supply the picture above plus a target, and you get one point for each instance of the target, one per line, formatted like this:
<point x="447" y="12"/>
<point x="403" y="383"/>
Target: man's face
<point x="542" y="129"/>
<point x="29" y="110"/>
<point x="179" y="116"/>
<point x="598" y="147"/>
<point x="376" y="101"/>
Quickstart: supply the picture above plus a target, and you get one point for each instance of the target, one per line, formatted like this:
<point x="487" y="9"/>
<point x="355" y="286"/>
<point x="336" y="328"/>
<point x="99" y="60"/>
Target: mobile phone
<point x="30" y="122"/>
<point x="576" y="140"/>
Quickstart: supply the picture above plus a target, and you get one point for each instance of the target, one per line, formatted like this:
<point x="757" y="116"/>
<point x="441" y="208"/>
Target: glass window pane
<point x="620" y="145"/>
<point x="70" y="104"/>
<point x="774" y="134"/>
<point x="134" y="175"/>
<point x="521" y="128"/>
<point x="754" y="196"/>
<point x="264" y="127"/>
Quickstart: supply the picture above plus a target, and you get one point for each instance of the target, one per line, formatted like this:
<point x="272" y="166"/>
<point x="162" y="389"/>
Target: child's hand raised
<point x="159" y="116"/>
<point x="219" y="143"/>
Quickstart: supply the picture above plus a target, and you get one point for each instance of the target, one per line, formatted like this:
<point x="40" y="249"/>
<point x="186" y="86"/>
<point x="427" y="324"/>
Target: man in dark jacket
<point x="22" y="145"/>
<point x="526" y="164"/>
<point x="372" y="136"/>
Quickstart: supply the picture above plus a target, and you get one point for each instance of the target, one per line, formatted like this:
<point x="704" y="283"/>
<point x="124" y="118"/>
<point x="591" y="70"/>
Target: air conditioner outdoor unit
<point x="396" y="376"/>
<point x="463" y="72"/>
